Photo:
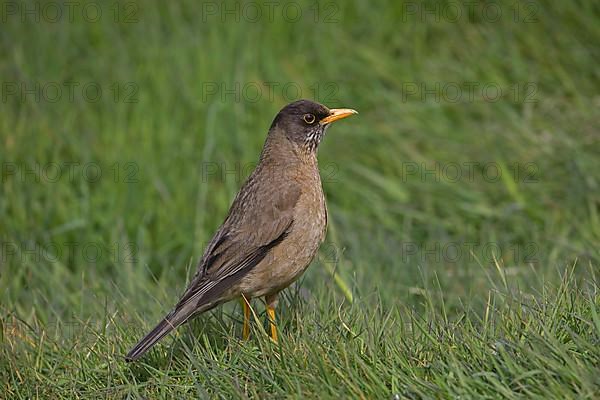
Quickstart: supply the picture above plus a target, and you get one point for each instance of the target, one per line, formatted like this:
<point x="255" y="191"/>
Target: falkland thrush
<point x="274" y="226"/>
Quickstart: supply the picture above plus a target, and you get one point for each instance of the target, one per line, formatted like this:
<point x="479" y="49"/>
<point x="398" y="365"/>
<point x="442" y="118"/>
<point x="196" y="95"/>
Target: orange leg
<point x="246" y="328"/>
<point x="271" y="304"/>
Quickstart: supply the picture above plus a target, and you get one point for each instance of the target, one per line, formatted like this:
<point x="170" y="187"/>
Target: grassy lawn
<point x="463" y="252"/>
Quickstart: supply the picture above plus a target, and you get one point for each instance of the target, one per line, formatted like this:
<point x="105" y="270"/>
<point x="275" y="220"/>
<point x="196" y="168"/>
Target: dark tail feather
<point x="184" y="310"/>
<point x="160" y="331"/>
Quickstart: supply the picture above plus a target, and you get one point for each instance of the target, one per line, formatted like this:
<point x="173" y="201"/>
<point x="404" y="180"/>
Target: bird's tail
<point x="160" y="331"/>
<point x="188" y="306"/>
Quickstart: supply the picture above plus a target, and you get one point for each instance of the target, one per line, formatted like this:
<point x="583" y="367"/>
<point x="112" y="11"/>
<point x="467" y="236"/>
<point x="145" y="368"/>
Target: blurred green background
<point x="127" y="128"/>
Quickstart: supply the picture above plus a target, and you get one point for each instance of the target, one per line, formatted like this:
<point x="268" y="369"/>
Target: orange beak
<point x="337" y="113"/>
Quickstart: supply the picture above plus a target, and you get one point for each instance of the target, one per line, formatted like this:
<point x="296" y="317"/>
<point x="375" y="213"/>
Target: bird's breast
<point x="288" y="260"/>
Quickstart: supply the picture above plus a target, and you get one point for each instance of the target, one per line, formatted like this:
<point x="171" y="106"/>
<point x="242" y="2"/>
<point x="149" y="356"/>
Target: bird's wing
<point x="259" y="219"/>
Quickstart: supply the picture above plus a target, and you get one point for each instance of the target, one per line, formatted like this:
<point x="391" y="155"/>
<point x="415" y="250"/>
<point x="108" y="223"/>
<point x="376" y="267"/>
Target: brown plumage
<point x="274" y="226"/>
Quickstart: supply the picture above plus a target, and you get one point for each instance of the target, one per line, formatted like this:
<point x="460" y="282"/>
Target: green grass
<point x="427" y="286"/>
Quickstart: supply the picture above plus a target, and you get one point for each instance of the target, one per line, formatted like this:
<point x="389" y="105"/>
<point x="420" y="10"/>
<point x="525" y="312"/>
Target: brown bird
<point x="274" y="227"/>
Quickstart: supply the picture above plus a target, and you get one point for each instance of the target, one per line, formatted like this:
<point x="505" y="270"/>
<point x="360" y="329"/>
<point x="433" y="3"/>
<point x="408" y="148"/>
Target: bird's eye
<point x="309" y="118"/>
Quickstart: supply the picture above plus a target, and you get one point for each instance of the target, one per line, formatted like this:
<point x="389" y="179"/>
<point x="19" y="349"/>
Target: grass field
<point x="462" y="257"/>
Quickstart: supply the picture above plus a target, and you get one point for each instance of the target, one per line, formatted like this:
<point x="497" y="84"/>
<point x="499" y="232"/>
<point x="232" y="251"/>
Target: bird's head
<point x="304" y="122"/>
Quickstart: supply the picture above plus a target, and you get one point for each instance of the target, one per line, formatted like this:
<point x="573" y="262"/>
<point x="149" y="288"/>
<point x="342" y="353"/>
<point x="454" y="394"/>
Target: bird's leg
<point x="271" y="301"/>
<point x="246" y="308"/>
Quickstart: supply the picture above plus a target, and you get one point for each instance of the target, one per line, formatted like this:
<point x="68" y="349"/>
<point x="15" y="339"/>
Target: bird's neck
<point x="281" y="151"/>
